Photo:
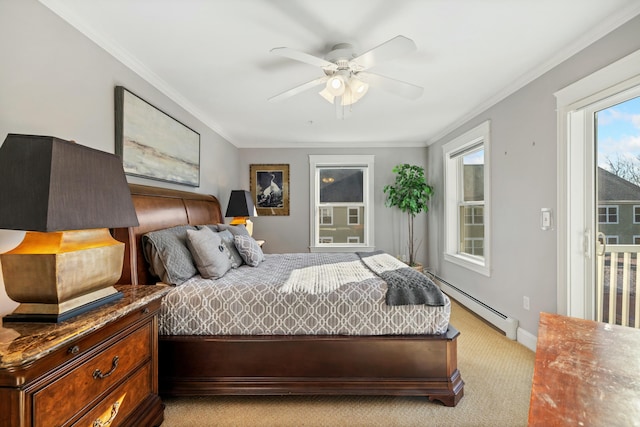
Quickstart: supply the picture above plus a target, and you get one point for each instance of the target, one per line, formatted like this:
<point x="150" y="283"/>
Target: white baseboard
<point x="506" y="324"/>
<point x="527" y="339"/>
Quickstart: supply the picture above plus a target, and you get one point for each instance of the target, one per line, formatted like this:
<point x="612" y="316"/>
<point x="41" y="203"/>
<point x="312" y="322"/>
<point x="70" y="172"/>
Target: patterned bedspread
<point x="275" y="298"/>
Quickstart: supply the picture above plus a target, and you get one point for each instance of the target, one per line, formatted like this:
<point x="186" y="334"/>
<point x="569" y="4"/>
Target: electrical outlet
<point x="525" y="303"/>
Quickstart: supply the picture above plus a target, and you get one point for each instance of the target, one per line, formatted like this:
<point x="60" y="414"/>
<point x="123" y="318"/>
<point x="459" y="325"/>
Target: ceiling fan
<point x="346" y="78"/>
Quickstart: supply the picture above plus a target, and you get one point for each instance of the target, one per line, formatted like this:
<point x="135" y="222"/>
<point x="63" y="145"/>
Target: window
<point x="608" y="214"/>
<point x="636" y="214"/>
<point x="612" y="240"/>
<point x="326" y="215"/>
<point x="467" y="178"/>
<point x="341" y="203"/>
<point x="353" y="216"/>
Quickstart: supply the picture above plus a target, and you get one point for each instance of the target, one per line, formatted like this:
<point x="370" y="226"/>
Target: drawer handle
<point x="114" y="412"/>
<point x="98" y="375"/>
<point x="145" y="310"/>
<point x="73" y="350"/>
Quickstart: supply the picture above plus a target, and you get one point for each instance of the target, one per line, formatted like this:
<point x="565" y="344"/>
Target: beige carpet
<point x="497" y="373"/>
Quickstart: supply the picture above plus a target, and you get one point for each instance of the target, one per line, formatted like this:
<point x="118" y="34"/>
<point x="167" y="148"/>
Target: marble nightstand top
<point x="22" y="343"/>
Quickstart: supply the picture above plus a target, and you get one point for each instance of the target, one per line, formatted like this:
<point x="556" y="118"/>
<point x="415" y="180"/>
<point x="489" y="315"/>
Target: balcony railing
<point x="617" y="279"/>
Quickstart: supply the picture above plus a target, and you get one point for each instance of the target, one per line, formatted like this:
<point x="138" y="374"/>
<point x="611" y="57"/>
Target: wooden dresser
<point x="97" y="369"/>
<point x="586" y="374"/>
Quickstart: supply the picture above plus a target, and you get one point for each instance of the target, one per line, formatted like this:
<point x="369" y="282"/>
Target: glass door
<point x="617" y="212"/>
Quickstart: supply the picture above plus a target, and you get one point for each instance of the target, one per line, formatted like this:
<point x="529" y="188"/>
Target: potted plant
<point x="410" y="193"/>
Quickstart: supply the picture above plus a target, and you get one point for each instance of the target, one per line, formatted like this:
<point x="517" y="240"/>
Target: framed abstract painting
<point x="153" y="144"/>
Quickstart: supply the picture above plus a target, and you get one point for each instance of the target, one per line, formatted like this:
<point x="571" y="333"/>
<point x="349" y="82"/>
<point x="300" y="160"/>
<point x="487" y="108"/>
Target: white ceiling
<point x="212" y="57"/>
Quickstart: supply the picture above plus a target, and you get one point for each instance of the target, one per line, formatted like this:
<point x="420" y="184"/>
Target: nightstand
<point x="97" y="367"/>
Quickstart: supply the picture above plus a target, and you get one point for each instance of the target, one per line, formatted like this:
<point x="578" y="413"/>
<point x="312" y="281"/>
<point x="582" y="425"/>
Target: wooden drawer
<point x="128" y="396"/>
<point x="83" y="386"/>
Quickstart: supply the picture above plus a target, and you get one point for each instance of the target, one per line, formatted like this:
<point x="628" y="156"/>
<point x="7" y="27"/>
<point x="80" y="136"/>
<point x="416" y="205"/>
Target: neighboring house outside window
<point x="343" y="187"/>
<point x="467" y="199"/>
<point x="619" y="208"/>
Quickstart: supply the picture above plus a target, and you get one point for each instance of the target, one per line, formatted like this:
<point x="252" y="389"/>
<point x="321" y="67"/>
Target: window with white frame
<point x="341" y="189"/>
<point x="467" y="199"/>
<point x="612" y="240"/>
<point x="608" y="214"/>
<point x="353" y="215"/>
<point x="326" y="215"/>
<point x="636" y="214"/>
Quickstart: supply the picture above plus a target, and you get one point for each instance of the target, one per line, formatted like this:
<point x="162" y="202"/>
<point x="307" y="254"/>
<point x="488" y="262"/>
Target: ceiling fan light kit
<point x="345" y="81"/>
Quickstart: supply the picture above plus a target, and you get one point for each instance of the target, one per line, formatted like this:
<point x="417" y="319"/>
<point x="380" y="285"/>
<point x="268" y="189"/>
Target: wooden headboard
<point x="159" y="208"/>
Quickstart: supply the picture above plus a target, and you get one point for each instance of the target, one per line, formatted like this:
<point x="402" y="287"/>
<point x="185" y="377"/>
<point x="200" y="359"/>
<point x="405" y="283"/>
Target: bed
<point x="282" y="364"/>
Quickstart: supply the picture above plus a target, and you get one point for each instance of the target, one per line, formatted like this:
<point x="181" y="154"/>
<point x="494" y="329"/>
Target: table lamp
<point x="241" y="207"/>
<point x="66" y="196"/>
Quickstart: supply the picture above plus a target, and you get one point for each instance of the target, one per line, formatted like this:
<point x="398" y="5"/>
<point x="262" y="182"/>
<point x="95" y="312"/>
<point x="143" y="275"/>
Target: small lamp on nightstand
<point x="66" y="196"/>
<point x="241" y="207"/>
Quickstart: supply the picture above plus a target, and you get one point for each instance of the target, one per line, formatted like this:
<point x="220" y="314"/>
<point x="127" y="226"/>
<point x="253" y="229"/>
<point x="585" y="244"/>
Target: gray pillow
<point x="212" y="258"/>
<point x="168" y="256"/>
<point x="249" y="250"/>
<point x="227" y="240"/>
<point x="236" y="230"/>
<point x="213" y="227"/>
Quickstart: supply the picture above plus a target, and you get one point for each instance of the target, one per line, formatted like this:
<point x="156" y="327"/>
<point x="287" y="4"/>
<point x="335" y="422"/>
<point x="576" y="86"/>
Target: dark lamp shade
<point x="49" y="184"/>
<point x="240" y="204"/>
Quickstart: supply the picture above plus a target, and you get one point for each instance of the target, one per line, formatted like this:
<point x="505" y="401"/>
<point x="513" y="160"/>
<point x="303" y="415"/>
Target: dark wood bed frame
<point x="408" y="365"/>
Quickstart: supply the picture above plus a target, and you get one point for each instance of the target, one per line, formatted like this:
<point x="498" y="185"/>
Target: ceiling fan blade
<point x="397" y="46"/>
<point x="302" y="57"/>
<point x="396" y="87"/>
<point x="299" y="89"/>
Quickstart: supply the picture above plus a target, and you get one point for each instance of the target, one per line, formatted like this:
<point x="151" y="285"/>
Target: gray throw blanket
<point x="406" y="286"/>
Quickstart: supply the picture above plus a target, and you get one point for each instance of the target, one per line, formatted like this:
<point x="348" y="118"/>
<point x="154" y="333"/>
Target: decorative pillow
<point x="236" y="230"/>
<point x="227" y="240"/>
<point x="249" y="250"/>
<point x="168" y="256"/>
<point x="212" y="258"/>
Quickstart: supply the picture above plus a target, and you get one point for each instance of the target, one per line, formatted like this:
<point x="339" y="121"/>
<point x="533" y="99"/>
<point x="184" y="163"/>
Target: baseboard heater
<point x="506" y="324"/>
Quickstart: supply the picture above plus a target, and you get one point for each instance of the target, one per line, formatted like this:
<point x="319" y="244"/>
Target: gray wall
<point x="524" y="180"/>
<point x="291" y="233"/>
<point x="55" y="81"/>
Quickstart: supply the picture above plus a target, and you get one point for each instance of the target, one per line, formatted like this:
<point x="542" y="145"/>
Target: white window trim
<point x="367" y="161"/>
<point x="353" y="239"/>
<point x="480" y="133"/>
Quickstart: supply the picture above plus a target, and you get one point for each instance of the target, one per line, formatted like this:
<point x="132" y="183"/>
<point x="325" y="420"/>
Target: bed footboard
<point x="423" y="365"/>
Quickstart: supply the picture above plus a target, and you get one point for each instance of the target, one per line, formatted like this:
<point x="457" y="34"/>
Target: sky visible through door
<point x="619" y="132"/>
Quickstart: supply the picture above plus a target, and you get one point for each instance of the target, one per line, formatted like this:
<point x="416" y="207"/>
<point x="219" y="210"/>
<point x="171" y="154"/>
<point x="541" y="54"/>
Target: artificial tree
<point x="410" y="193"/>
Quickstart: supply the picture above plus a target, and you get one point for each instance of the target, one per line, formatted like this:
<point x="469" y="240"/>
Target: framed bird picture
<point x="270" y="189"/>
